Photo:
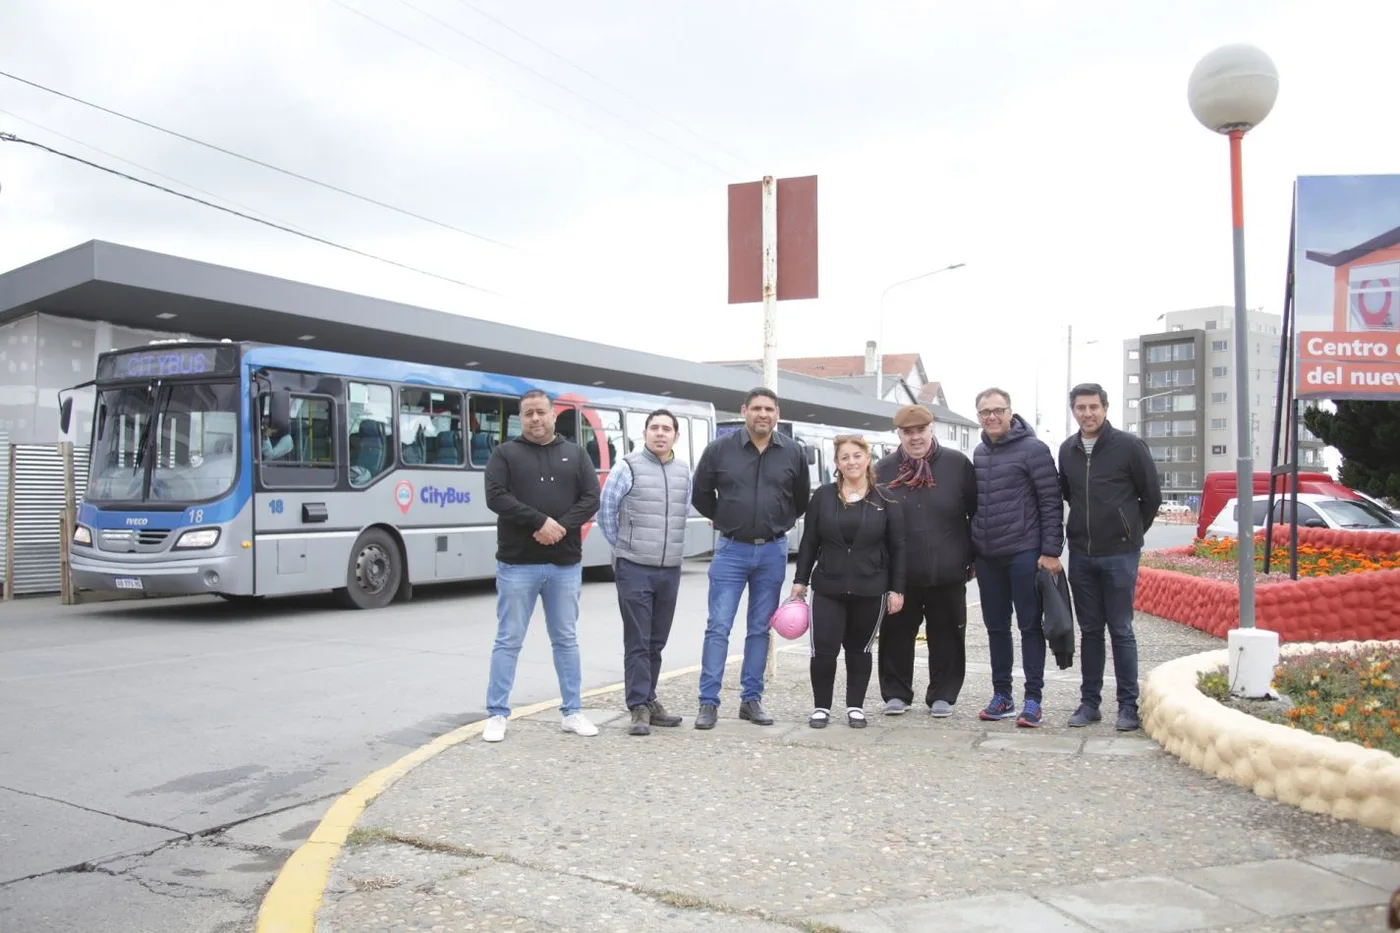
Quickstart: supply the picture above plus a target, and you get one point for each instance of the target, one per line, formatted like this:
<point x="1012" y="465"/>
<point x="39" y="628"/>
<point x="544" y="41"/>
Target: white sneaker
<point x="495" y="729"/>
<point x="576" y="723"/>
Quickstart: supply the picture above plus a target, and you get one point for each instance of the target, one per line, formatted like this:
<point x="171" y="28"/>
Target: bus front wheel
<point x="375" y="571"/>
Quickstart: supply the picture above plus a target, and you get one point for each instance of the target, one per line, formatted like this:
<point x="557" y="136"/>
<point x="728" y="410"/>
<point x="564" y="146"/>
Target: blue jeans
<point x="736" y="565"/>
<point x="518" y="586"/>
<point x="1103" y="589"/>
<point x="1006" y="583"/>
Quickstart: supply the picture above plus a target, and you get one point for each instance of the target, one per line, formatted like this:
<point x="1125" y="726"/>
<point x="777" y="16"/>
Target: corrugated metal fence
<point x="4" y="503"/>
<point x="36" y="494"/>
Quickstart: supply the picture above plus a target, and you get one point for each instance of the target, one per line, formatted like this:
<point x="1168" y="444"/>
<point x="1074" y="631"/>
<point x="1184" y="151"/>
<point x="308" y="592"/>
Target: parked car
<point x="1221" y="485"/>
<point x="1314" y="511"/>
<point x="1380" y="503"/>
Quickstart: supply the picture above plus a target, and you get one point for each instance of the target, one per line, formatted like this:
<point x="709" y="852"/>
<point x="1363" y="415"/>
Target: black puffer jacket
<point x="1018" y="496"/>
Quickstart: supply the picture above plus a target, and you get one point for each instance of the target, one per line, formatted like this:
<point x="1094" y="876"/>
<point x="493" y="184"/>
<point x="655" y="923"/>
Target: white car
<point x="1314" y="511"/>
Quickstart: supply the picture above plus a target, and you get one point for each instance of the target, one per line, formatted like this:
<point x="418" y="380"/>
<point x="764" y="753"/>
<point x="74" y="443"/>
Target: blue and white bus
<point x="245" y="470"/>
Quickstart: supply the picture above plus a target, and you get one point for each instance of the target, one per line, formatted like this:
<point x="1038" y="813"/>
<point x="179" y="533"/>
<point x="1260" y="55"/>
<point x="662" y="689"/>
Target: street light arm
<point x="915" y="278"/>
<point x="880" y="324"/>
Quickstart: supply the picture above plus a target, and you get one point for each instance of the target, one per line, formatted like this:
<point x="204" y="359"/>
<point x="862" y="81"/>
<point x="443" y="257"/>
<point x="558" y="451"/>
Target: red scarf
<point x="916" y="474"/>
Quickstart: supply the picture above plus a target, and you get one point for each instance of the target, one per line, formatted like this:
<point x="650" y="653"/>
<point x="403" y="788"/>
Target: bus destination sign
<point x="167" y="362"/>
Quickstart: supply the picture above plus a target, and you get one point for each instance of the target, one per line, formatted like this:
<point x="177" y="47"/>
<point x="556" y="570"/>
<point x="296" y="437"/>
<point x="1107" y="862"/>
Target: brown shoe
<point x="641" y="721"/>
<point x="659" y="716"/>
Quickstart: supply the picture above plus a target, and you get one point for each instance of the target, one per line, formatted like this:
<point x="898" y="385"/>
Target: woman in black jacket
<point x="853" y="555"/>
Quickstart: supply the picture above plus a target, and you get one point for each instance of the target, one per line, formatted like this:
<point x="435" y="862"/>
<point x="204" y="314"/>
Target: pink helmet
<point x="791" y="619"/>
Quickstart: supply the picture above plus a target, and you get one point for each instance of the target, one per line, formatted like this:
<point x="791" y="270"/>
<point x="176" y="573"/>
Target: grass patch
<point x="1351" y="696"/>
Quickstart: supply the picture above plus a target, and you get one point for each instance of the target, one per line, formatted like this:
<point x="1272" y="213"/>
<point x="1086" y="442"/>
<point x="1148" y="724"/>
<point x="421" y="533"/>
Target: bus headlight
<point x="204" y="537"/>
<point x="81" y="535"/>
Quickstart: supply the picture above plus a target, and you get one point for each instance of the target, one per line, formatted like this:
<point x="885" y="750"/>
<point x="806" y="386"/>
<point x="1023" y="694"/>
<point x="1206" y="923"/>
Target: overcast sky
<point x="1048" y="145"/>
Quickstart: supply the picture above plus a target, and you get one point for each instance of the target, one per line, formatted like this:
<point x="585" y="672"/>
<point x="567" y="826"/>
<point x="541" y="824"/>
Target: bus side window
<point x="491" y="421"/>
<point x="305" y="455"/>
<point x="682" y="447"/>
<point x="602" y="430"/>
<point x="430" y="427"/>
<point x="699" y="438"/>
<point x="566" y="422"/>
<point x="635" y="424"/>
<point x="371" y="431"/>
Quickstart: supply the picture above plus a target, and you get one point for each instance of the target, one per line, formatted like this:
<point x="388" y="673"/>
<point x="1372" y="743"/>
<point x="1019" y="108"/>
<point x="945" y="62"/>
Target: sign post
<point x="770" y="283"/>
<point x="768" y="219"/>
<point x="772" y="251"/>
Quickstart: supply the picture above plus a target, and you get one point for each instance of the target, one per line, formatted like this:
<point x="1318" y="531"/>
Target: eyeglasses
<point x="986" y="413"/>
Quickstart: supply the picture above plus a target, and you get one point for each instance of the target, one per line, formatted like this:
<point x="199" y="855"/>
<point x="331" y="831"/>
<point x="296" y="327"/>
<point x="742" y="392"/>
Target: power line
<point x="12" y="138"/>
<point x="237" y="155"/>
<point x="534" y="100"/>
<point x="612" y="87"/>
<point x="147" y="169"/>
<point x="563" y="87"/>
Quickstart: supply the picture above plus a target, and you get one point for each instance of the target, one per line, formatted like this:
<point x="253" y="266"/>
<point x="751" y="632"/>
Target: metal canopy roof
<point x="100" y="281"/>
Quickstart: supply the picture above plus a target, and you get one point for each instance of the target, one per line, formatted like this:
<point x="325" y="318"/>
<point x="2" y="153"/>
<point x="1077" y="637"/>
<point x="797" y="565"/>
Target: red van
<point x="1221" y="486"/>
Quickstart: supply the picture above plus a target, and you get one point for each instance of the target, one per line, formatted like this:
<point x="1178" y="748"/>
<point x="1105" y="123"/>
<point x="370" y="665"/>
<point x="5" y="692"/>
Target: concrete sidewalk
<point x="910" y="824"/>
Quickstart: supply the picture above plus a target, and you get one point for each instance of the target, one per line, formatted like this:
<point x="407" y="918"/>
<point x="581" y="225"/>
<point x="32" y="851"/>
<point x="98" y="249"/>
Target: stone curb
<point x="1315" y="772"/>
<point x="293" y="901"/>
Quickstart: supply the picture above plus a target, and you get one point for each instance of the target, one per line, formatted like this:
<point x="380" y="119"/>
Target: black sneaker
<point x="753" y="711"/>
<point x="1083" y="716"/>
<point x="659" y="716"/>
<point x="1128" y="719"/>
<point x="641" y="721"/>
<point x="705" y="719"/>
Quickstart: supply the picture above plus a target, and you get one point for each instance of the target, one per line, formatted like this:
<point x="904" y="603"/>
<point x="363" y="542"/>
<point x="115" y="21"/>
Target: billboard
<point x="1346" y="286"/>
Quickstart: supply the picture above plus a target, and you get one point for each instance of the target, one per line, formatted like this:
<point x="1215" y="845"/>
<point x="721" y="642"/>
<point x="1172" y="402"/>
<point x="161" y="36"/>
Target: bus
<point x="247" y="470"/>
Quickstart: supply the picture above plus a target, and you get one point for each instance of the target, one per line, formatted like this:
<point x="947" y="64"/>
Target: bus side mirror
<point x="811" y="456"/>
<point x="65" y="414"/>
<point x="279" y="412"/>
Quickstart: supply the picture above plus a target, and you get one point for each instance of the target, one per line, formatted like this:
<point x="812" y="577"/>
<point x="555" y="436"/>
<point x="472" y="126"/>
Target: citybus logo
<point x="442" y="498"/>
<point x="403" y="495"/>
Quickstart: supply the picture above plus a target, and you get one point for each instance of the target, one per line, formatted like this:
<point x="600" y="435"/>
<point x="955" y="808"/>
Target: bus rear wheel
<point x="375" y="571"/>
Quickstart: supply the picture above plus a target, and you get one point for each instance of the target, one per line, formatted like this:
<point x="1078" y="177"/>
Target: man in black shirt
<point x="753" y="485"/>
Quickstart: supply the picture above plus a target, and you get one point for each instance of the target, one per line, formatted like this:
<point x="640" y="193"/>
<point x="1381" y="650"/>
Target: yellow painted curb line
<point x="291" y="904"/>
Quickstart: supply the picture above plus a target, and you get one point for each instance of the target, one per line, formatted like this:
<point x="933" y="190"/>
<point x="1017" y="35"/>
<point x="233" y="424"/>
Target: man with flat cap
<point x="937" y="487"/>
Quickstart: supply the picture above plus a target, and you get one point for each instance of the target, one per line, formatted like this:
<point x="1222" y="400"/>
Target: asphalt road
<point x="160" y="760"/>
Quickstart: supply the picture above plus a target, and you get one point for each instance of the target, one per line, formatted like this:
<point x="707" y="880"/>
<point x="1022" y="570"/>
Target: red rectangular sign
<point x="746" y="242"/>
<point x="797" y="240"/>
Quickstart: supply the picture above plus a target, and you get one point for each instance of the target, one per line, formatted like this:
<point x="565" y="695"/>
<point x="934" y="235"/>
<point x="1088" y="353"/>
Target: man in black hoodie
<point x="1110" y="482"/>
<point x="543" y="490"/>
<point x="938" y="490"/>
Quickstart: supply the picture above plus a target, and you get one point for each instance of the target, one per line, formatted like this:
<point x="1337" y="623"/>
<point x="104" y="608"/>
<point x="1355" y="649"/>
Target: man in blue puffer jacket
<point x="1019" y="527"/>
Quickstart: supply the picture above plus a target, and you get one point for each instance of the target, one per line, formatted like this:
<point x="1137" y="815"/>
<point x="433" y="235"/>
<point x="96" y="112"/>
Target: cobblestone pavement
<point x="911" y="824"/>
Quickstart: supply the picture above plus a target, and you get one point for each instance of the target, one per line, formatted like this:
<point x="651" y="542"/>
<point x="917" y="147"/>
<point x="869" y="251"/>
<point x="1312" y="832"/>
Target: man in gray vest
<point x="642" y="513"/>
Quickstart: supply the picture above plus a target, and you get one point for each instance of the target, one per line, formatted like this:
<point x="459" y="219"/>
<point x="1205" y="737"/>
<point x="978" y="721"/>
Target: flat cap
<point x="912" y="416"/>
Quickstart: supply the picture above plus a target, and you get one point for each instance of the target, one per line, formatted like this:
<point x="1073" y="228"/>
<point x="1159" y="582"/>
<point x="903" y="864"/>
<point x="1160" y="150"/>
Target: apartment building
<point x="1179" y="396"/>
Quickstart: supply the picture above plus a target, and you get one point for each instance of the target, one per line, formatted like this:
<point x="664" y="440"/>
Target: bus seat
<point x="371" y="448"/>
<point x="416" y="451"/>
<point x="481" y="447"/>
<point x="447" y="451"/>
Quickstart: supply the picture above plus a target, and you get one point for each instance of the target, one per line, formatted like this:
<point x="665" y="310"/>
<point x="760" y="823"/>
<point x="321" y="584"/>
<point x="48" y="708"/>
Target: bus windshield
<point x="167" y="442"/>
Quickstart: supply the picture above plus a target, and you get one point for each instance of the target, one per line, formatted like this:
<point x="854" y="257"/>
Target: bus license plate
<point x="129" y="583"/>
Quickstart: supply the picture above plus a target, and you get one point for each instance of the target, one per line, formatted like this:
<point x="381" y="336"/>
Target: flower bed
<point x="1348" y="587"/>
<point x="1294" y="766"/>
<point x="1350" y="696"/>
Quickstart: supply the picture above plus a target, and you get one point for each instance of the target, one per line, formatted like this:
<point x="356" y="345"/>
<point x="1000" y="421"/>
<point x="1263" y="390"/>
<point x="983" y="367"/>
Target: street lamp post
<point x="1069" y="365"/>
<point x="1231" y="90"/>
<point x="880" y="326"/>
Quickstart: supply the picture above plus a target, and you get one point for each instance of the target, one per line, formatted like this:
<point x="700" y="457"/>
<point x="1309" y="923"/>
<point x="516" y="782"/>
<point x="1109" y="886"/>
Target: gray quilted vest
<point x="651" y="520"/>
